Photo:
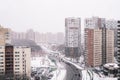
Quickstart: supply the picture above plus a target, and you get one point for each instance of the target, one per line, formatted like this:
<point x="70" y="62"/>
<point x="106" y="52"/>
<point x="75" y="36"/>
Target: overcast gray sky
<point x="49" y="15"/>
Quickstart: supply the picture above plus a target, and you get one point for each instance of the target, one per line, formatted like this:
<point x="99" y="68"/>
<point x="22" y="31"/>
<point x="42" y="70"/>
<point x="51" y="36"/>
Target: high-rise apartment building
<point x="112" y="24"/>
<point x="15" y="61"/>
<point x="109" y="46"/>
<point x="94" y="22"/>
<point x="97" y="50"/>
<point x="103" y="29"/>
<point x="72" y="37"/>
<point x="118" y="47"/>
<point x="93" y="47"/>
<point x="4" y="36"/>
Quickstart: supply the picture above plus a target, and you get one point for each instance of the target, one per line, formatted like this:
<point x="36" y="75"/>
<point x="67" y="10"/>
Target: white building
<point x="72" y="37"/>
<point x="94" y="22"/>
<point x="112" y="24"/>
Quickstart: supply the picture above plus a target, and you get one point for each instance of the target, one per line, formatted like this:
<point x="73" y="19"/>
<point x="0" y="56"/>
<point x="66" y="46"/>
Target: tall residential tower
<point x="118" y="47"/>
<point x="72" y="37"/>
<point x="99" y="42"/>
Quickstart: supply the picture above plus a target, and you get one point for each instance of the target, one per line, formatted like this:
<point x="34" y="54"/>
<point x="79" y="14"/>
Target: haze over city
<point x="59" y="40"/>
<point x="49" y="15"/>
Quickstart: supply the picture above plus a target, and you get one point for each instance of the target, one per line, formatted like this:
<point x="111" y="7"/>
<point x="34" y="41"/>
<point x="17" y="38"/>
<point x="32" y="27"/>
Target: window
<point x="16" y="52"/>
<point x="1" y="69"/>
<point x="17" y="72"/>
<point x="1" y="66"/>
<point x="16" y="68"/>
<point x="16" y="65"/>
<point x="16" y="58"/>
<point x="17" y="62"/>
<point x="7" y="52"/>
<point x="1" y="62"/>
<point x="16" y="55"/>
<point x="1" y="52"/>
<point x="1" y="55"/>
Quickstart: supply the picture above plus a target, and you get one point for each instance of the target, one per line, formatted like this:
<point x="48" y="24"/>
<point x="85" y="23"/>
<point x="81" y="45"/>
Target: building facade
<point x="110" y="46"/>
<point x="112" y="24"/>
<point x="94" y="22"/>
<point x="93" y="47"/>
<point x="72" y="37"/>
<point x="15" y="61"/>
<point x="4" y="36"/>
<point x="100" y="32"/>
<point x="99" y="48"/>
<point x="118" y="47"/>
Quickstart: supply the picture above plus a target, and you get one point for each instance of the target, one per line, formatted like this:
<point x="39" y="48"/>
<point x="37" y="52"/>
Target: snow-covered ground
<point x="88" y="74"/>
<point x="58" y="74"/>
<point x="41" y="62"/>
<point x="107" y="78"/>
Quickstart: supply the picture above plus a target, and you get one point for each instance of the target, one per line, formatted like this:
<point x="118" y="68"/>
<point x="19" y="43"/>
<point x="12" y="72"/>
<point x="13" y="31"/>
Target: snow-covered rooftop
<point x="111" y="66"/>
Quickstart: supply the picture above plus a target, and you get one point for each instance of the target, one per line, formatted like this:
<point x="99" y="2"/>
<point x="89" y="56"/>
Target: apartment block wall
<point x="2" y="60"/>
<point x="109" y="46"/>
<point x="21" y="59"/>
<point x="118" y="47"/>
<point x="4" y="36"/>
<point x="72" y="37"/>
<point x="97" y="42"/>
<point x="89" y="48"/>
<point x="94" y="47"/>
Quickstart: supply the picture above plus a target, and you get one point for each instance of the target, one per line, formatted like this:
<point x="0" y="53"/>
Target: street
<point x="72" y="73"/>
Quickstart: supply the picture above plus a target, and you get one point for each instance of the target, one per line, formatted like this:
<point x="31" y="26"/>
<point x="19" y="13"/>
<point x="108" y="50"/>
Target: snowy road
<point x="85" y="74"/>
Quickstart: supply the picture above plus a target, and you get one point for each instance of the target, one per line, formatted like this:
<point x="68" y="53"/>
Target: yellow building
<point x="4" y="36"/>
